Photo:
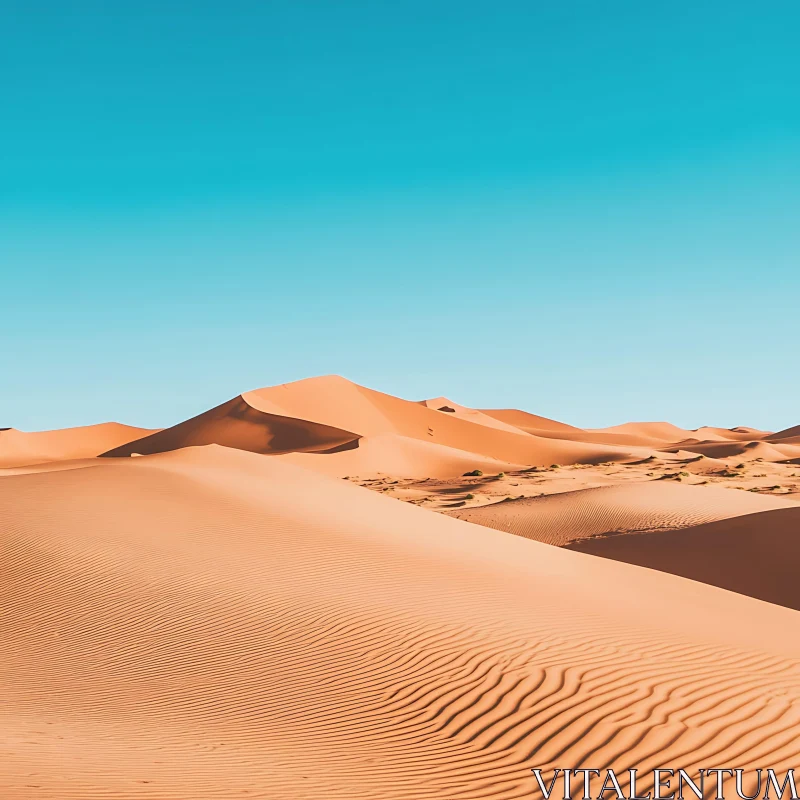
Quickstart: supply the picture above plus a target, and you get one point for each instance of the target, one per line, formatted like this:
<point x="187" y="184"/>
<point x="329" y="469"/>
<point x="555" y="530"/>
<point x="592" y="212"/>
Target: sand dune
<point x="446" y="406"/>
<point x="330" y="412"/>
<point x="399" y="457"/>
<point x="559" y="519"/>
<point x="789" y="436"/>
<point x="740" y="434"/>
<point x="237" y="424"/>
<point x="19" y="448"/>
<point x="530" y="423"/>
<point x="756" y="554"/>
<point x="747" y="451"/>
<point x="191" y="625"/>
<point x="788" y="433"/>
<point x="651" y="432"/>
<point x="663" y="431"/>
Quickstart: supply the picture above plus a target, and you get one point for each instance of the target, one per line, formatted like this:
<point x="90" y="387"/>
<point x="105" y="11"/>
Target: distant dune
<point x="212" y="623"/>
<point x="663" y="431"/>
<point x="331" y="413"/>
<point x="19" y="448"/>
<point x="788" y="436"/>
<point x="748" y="451"/>
<point x="209" y="611"/>
<point x="530" y="423"/>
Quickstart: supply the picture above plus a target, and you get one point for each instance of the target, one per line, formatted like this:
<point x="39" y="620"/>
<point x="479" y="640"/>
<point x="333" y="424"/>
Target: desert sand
<point x="20" y="448"/>
<point x="300" y="594"/>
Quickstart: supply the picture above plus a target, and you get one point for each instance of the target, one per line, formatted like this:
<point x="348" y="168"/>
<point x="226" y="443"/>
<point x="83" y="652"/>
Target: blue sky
<point x="590" y="211"/>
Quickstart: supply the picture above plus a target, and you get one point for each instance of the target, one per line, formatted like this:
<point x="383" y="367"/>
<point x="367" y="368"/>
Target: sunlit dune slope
<point x="664" y="431"/>
<point x="447" y="406"/>
<point x="558" y="519"/>
<point x="20" y="448"/>
<point x="210" y="623"/>
<point x="756" y="554"/>
<point x="550" y="429"/>
<point x="530" y="423"/>
<point x="399" y="457"/>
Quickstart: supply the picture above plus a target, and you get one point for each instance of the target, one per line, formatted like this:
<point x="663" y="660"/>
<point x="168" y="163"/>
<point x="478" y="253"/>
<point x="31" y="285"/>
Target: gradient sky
<point x="587" y="210"/>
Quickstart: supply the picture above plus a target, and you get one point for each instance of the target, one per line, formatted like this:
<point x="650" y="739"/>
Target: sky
<point x="587" y="210"/>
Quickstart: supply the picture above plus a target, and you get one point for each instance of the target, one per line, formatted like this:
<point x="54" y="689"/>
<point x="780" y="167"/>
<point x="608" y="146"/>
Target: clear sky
<point x="588" y="210"/>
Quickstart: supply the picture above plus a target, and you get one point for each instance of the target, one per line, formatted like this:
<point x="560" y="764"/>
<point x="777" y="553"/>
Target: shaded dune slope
<point x="227" y="637"/>
<point x="788" y="436"/>
<point x="20" y="448"/>
<point x="237" y="424"/>
<point x="756" y="554"/>
<point x="559" y="519"/>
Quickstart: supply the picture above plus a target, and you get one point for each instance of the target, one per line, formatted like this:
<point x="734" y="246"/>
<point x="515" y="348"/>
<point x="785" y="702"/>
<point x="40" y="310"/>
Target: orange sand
<point x="254" y="629"/>
<point x="223" y="616"/>
<point x="19" y="448"/>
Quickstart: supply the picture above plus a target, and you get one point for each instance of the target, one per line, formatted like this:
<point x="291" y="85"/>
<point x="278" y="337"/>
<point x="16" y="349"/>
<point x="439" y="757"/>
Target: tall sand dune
<point x="20" y="448"/>
<point x="237" y="424"/>
<point x="209" y="623"/>
<point x="328" y="412"/>
<point x="756" y="554"/>
<point x="559" y="519"/>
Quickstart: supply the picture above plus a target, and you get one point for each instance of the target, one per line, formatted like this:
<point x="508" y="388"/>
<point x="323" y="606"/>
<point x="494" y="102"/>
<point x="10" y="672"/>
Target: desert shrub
<point x="470" y="497"/>
<point x="476" y="473"/>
